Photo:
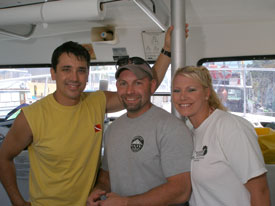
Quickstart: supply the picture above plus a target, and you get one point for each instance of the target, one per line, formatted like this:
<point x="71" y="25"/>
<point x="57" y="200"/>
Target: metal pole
<point x="178" y="47"/>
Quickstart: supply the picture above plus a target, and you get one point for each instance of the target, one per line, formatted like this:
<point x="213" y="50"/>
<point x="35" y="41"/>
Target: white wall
<point x="230" y="40"/>
<point x="209" y="41"/>
<point x="35" y="51"/>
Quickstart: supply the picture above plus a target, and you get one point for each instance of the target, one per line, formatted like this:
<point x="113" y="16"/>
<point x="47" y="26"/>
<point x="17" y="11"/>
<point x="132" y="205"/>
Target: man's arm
<point x="101" y="188"/>
<point x="159" y="69"/>
<point x="163" y="61"/>
<point x="259" y="192"/>
<point x="113" y="103"/>
<point x="18" y="138"/>
<point x="177" y="190"/>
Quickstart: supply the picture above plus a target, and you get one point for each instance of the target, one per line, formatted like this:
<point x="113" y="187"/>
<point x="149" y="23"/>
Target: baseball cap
<point x="136" y="65"/>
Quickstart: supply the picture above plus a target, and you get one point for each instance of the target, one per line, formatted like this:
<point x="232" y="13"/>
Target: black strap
<point x="167" y="53"/>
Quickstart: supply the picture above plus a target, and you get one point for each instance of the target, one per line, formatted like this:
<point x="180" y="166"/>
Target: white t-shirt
<point x="226" y="155"/>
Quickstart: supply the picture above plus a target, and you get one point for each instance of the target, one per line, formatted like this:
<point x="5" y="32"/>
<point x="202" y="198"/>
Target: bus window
<point x="24" y="85"/>
<point x="246" y="87"/>
<point x="102" y="71"/>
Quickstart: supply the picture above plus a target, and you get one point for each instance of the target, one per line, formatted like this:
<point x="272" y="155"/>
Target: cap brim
<point x="140" y="71"/>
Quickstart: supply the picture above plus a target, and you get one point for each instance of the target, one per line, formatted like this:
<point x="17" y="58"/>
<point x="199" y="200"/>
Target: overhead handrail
<point x="150" y="14"/>
<point x="18" y="36"/>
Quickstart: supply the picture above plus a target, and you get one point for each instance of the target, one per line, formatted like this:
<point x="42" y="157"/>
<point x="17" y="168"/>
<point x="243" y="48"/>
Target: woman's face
<point x="190" y="98"/>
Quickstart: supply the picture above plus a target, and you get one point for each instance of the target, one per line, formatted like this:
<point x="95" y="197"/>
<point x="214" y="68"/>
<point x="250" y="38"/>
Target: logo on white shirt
<point x="197" y="155"/>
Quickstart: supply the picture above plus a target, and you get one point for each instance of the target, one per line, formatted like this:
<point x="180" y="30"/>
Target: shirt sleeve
<point x="239" y="143"/>
<point x="104" y="164"/>
<point x="176" y="148"/>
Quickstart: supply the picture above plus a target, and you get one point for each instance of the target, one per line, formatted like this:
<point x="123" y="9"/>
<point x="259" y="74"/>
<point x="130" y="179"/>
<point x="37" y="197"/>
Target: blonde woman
<point x="227" y="165"/>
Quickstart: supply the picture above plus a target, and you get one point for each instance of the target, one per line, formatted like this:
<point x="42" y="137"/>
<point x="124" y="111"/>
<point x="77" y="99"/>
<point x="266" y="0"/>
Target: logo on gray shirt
<point x="137" y="143"/>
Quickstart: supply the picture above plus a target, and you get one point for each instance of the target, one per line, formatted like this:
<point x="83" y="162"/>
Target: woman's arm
<point x="259" y="192"/>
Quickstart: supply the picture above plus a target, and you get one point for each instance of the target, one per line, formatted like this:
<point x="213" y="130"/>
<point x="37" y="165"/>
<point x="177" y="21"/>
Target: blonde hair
<point x="202" y="75"/>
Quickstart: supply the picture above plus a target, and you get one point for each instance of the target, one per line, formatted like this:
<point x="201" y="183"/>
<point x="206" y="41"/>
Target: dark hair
<point x="70" y="47"/>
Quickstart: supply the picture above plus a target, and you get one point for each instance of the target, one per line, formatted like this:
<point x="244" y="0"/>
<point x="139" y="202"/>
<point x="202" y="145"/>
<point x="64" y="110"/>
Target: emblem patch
<point x="137" y="143"/>
<point x="197" y="155"/>
<point x="98" y="128"/>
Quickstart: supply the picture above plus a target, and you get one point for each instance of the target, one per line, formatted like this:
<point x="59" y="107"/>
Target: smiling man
<point x="63" y="133"/>
<point x="60" y="133"/>
<point x="147" y="151"/>
<point x="71" y="76"/>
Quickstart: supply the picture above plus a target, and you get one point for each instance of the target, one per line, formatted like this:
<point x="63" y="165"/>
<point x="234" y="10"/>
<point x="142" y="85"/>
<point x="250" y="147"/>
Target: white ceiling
<point x="125" y="13"/>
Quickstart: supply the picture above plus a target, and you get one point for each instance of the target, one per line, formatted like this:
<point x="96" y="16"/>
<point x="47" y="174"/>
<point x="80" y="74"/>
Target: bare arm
<point x="259" y="192"/>
<point x="18" y="138"/>
<point x="163" y="61"/>
<point x="101" y="188"/>
<point x="176" y="190"/>
<point x="103" y="181"/>
<point x="113" y="103"/>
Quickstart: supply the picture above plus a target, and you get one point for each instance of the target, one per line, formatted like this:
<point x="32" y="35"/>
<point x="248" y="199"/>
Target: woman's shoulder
<point x="227" y="116"/>
<point x="231" y="121"/>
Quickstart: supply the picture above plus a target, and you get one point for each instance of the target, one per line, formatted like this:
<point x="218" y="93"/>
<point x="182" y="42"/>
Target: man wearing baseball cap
<point x="147" y="151"/>
<point x="136" y="65"/>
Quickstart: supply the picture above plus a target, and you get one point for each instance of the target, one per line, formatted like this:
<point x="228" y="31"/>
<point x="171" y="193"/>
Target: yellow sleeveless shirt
<point x="65" y="152"/>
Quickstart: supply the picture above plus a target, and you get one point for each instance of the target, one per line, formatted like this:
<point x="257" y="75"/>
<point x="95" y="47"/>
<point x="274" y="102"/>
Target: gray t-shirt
<point x="140" y="153"/>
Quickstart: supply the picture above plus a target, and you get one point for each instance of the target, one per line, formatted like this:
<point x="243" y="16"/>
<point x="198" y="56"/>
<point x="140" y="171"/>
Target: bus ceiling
<point x="148" y="14"/>
<point x="40" y="14"/>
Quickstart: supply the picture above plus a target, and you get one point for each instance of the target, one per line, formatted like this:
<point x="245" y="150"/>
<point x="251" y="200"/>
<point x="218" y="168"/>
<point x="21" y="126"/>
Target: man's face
<point x="135" y="93"/>
<point x="71" y="77"/>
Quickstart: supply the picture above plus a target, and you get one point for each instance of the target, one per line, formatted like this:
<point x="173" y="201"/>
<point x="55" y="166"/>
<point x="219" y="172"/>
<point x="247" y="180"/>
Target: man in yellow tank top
<point x="63" y="133"/>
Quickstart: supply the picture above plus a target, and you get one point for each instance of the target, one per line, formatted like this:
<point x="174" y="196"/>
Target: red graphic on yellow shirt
<point x="98" y="128"/>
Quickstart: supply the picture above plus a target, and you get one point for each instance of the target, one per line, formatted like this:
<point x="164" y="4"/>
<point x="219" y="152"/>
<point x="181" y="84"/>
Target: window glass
<point x="162" y="96"/>
<point x="246" y="87"/>
<point x="22" y="86"/>
<point x="103" y="77"/>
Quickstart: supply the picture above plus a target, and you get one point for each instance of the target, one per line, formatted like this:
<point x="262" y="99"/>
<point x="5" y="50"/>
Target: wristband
<point x="167" y="53"/>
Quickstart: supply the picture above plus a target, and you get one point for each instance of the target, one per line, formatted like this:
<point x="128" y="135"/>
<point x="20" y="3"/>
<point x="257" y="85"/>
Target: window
<point x="23" y="85"/>
<point x="246" y="86"/>
<point x="103" y="76"/>
<point x="162" y="96"/>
